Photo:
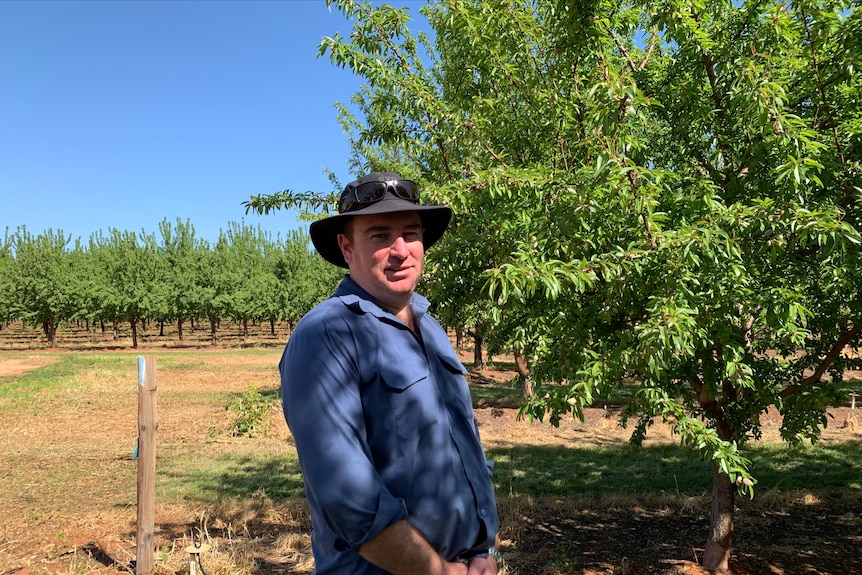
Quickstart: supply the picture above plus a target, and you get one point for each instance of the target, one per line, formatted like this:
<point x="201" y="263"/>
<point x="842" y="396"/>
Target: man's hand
<point x="482" y="566"/>
<point x="402" y="550"/>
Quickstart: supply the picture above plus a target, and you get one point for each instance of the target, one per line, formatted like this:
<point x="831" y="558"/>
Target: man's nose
<point x="399" y="248"/>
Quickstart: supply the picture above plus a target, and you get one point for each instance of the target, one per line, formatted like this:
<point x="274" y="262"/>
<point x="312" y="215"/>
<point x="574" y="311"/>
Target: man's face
<point x="385" y="255"/>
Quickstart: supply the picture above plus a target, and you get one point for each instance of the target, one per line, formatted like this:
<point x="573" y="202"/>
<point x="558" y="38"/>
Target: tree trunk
<point x="134" y="325"/>
<point x="180" y="328"/>
<point x="718" y="545"/>
<point x="213" y="328"/>
<point x="116" y="327"/>
<point x="50" y="332"/>
<point x="526" y="375"/>
<point x="478" y="362"/>
<point x="244" y="330"/>
<point x="161" y="329"/>
<point x="272" y="327"/>
<point x="459" y="339"/>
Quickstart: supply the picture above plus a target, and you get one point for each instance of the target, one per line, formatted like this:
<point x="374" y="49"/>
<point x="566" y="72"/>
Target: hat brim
<point x="324" y="233"/>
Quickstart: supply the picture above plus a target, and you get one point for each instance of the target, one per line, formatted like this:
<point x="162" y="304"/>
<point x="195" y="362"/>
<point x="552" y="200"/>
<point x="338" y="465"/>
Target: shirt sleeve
<point x="320" y="378"/>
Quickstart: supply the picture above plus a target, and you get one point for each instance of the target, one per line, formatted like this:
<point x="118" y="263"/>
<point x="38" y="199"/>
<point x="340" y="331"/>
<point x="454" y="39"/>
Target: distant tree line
<point x="175" y="278"/>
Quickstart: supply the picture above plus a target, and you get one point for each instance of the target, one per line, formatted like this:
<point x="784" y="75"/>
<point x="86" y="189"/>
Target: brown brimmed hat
<point x="376" y="193"/>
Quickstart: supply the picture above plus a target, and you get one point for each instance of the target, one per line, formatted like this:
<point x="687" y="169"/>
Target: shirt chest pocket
<point x="405" y="391"/>
<point x="457" y="393"/>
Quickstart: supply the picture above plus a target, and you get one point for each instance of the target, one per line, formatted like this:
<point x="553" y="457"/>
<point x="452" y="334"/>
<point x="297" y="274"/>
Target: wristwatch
<point x="492" y="552"/>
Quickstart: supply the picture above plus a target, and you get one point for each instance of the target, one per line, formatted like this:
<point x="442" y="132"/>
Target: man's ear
<point x="344" y="244"/>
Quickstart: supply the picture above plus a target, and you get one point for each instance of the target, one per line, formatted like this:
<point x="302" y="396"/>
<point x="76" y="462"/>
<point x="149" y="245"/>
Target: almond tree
<point x="303" y="278"/>
<point x="183" y="255"/>
<point x="243" y="280"/>
<point x="130" y="277"/>
<point x="42" y="280"/>
<point x="671" y="193"/>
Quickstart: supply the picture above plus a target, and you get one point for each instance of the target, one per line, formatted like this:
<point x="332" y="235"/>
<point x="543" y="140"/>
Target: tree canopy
<point x="659" y="194"/>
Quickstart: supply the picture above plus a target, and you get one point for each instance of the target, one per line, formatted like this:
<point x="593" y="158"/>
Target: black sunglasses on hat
<point x="353" y="198"/>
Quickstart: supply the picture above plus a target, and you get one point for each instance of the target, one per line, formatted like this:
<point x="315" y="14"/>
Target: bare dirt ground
<point x="67" y="498"/>
<point x="17" y="366"/>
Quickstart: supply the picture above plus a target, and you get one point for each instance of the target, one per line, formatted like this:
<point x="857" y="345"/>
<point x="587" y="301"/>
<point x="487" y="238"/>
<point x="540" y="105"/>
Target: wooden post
<point x="147" y="426"/>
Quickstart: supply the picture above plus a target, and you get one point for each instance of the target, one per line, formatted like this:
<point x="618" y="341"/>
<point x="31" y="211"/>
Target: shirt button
<point x="483" y="512"/>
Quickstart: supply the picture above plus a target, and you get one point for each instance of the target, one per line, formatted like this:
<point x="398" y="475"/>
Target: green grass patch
<point x="570" y="472"/>
<point x="495" y="364"/>
<point x="181" y="362"/>
<point x="499" y="395"/>
<point x="617" y="396"/>
<point x="195" y="398"/>
<point x="16" y="390"/>
<point x="25" y="390"/>
<point x="667" y="469"/>
<point x="821" y="466"/>
<point x="182" y="476"/>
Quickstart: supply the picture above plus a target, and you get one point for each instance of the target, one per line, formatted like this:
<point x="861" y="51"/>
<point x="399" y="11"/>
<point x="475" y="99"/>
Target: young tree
<point x="183" y="254"/>
<point x="82" y="301"/>
<point x="243" y="280"/>
<point x="673" y="190"/>
<point x="43" y="280"/>
<point x="130" y="273"/>
<point x="220" y="278"/>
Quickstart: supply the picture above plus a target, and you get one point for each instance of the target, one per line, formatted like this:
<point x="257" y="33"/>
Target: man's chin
<point x="403" y="286"/>
<point x="407" y="276"/>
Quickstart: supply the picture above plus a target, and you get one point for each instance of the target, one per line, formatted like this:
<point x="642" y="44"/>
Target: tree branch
<point x="622" y="49"/>
<point x="652" y="42"/>
<point x="709" y="404"/>
<point x="827" y="361"/>
<point x="709" y="66"/>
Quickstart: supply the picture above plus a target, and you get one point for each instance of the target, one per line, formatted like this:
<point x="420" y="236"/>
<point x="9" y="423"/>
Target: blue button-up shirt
<point x="384" y="429"/>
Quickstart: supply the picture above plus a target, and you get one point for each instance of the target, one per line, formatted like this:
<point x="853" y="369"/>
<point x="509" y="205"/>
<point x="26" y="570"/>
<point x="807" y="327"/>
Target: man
<point x="376" y="399"/>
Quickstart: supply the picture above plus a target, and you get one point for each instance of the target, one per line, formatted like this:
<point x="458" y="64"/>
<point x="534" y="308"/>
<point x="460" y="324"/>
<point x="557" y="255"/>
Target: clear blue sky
<point x="118" y="114"/>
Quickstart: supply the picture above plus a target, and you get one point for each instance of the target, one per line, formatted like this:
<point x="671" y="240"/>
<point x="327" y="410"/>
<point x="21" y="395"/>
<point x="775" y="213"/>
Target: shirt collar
<point x="353" y="296"/>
